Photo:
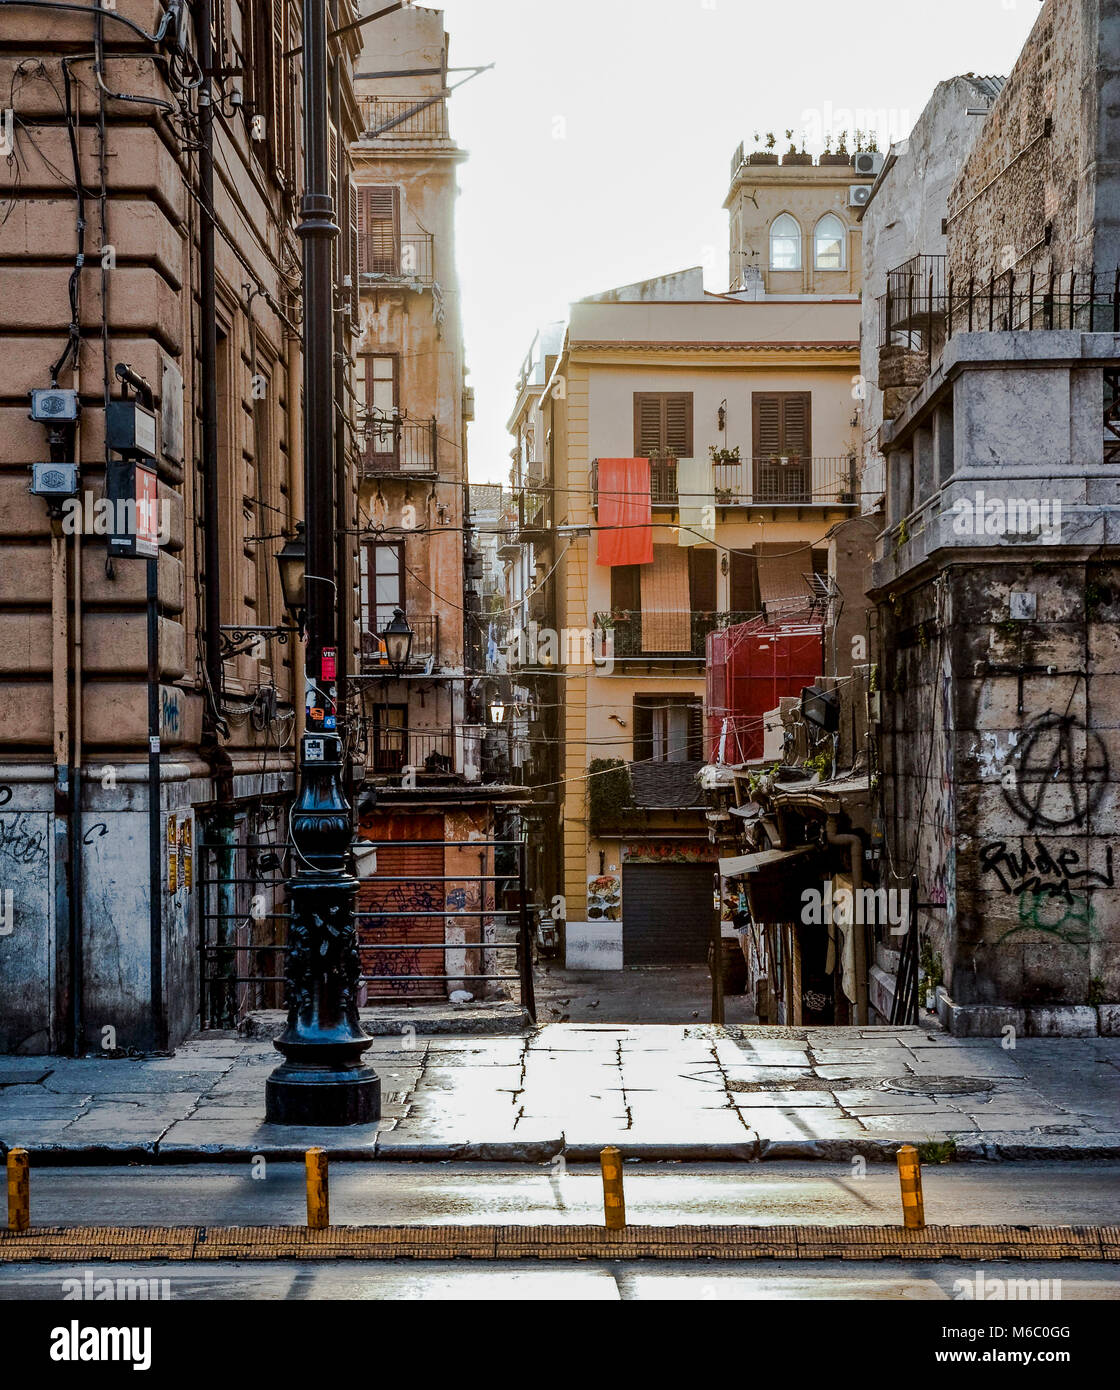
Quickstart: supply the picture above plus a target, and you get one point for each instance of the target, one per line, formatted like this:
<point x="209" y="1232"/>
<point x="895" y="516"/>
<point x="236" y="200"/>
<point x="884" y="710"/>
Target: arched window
<point x="829" y="242"/>
<point x="785" y="243"/>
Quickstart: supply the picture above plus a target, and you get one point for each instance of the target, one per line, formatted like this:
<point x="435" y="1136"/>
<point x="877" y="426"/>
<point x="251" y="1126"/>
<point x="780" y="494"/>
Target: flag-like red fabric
<point x="625" y="527"/>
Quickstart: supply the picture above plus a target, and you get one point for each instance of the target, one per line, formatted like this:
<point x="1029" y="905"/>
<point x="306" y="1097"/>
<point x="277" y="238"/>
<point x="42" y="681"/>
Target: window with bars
<point x="379" y="230"/>
<point x="379" y="404"/>
<point x="663" y="424"/>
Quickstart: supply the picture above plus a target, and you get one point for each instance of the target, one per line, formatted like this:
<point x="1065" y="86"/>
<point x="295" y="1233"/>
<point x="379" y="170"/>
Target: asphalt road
<point x="588" y="1280"/>
<point x="384" y="1193"/>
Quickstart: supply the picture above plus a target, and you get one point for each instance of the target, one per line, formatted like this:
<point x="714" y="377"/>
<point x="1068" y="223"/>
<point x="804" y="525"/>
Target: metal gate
<point x="415" y="930"/>
<point x="666" y="913"/>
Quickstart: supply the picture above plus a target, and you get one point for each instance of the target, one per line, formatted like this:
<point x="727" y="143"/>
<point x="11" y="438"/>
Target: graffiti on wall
<point x="1057" y="773"/>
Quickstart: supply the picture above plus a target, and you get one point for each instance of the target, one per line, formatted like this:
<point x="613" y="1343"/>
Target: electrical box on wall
<point x="130" y="429"/>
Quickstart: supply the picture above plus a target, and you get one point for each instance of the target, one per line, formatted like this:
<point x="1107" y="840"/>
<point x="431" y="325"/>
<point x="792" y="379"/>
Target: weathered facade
<point x="996" y="575"/>
<point x="115" y="249"/>
<point x="732" y="389"/>
<point x="438" y="771"/>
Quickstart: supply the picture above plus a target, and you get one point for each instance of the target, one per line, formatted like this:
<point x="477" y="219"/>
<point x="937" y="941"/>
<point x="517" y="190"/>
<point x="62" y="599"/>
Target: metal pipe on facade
<point x="859" y="935"/>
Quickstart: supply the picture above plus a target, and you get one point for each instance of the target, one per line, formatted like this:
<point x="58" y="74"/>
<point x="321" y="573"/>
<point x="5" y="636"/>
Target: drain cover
<point x="939" y="1085"/>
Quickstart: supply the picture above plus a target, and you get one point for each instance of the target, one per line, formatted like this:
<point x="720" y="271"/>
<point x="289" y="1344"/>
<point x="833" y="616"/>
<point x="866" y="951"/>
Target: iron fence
<point x="625" y="638"/>
<point x="409" y="260"/>
<point x="395" y="444"/>
<point x="925" y="303"/>
<point x="775" y="480"/>
<point x="243" y="935"/>
<point x="423" y="117"/>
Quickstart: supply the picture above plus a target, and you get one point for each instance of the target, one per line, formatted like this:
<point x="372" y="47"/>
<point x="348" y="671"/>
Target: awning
<point x="742" y="864"/>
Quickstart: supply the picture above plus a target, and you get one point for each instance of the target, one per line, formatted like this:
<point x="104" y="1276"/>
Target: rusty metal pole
<point x="910" y="1183"/>
<point x="614" y="1202"/>
<point x="318" y="1189"/>
<point x="19" y="1190"/>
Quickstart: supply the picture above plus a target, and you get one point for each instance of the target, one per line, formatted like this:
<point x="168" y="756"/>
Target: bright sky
<point x="601" y="143"/>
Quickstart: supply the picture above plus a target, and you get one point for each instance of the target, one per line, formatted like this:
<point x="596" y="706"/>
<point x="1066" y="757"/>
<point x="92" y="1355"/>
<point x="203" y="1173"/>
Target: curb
<point x="210" y="1243"/>
<point x="1010" y="1148"/>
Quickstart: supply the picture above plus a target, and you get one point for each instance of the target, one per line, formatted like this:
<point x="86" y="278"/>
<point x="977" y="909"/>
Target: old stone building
<point x="997" y="576"/>
<point x="147" y="226"/>
<point x="438" y="769"/>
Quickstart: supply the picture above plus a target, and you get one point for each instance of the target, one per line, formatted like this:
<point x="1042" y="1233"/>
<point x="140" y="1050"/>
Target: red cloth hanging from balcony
<point x="625" y="535"/>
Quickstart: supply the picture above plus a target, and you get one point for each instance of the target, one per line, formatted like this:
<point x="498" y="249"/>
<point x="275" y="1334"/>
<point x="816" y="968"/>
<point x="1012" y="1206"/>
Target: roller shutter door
<point x="666" y="913"/>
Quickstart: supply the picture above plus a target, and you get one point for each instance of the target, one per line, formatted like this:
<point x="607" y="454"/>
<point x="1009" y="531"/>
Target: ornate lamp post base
<point x="322" y="1079"/>
<point x="301" y="1093"/>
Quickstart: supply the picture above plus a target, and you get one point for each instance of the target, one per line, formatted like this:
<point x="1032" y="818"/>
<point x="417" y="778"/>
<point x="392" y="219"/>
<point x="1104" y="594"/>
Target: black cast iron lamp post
<point x="398" y="642"/>
<point x="323" y="1079"/>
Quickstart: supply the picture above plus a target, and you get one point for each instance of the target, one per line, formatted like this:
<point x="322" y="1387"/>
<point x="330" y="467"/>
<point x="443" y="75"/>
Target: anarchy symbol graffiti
<point x="1061" y="768"/>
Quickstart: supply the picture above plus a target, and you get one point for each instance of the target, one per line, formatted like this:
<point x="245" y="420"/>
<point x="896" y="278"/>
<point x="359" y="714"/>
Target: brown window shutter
<point x="782" y="424"/>
<point x="696" y="732"/>
<point x="354" y="258"/>
<point x="383" y="230"/>
<point x="278" y="134"/>
<point x="766" y="411"/>
<point x="678" y="425"/>
<point x="744" y="583"/>
<point x="361" y="198"/>
<point x="662" y="424"/>
<point x="702" y="580"/>
<point x="795" y="426"/>
<point x="648" y="437"/>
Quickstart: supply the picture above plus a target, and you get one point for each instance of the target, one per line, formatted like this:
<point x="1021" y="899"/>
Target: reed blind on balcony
<point x="379" y="230"/>
<point x="663" y="424"/>
<point x="782" y="424"/>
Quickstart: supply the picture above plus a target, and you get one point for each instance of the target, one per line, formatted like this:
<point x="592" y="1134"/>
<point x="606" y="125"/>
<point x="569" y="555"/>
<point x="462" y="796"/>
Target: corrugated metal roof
<point x="988" y="87"/>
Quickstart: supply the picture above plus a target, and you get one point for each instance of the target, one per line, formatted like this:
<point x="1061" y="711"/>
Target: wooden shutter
<point x="662" y="424"/>
<point x="354" y="258"/>
<point x="782" y="424"/>
<point x="379" y="221"/>
<point x="678" y="425"/>
<point x="278" y="134"/>
<point x="702" y="580"/>
<point x="648" y="438"/>
<point x="696" y="751"/>
<point x="744" y="583"/>
<point x="643" y="731"/>
<point x="626" y="588"/>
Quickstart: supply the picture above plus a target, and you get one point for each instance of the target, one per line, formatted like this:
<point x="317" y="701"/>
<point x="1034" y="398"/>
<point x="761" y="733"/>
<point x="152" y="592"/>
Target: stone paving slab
<point x="687" y="1092"/>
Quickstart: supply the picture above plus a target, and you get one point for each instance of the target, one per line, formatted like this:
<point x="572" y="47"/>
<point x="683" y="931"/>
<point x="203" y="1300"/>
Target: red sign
<point x="330" y="655"/>
<point x="147" y="512"/>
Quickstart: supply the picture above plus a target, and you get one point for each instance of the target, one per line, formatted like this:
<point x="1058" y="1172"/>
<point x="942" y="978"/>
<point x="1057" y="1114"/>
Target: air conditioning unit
<point x="867" y="163"/>
<point x="859" y="195"/>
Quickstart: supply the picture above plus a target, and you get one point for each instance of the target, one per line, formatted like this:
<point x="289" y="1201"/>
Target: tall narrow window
<point x="380" y="403"/>
<point x="785" y="243"/>
<point x="829" y="243"/>
<point x="783" y="449"/>
<point x="379" y="230"/>
<point x="382" y="572"/>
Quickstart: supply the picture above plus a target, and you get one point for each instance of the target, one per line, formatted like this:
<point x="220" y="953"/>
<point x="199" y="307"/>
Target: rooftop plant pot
<point x="836" y="159"/>
<point x="797" y="158"/>
<point x="763" y="157"/>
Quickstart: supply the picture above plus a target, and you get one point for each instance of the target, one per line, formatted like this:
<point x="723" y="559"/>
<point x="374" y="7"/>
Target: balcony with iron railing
<point x="408" y="261"/>
<point x="469" y="753"/>
<point x="425" y="646"/>
<point x="619" y="634"/>
<point x="926" y="303"/>
<point x="404" y="118"/>
<point x="396" y="444"/>
<point x="778" y="481"/>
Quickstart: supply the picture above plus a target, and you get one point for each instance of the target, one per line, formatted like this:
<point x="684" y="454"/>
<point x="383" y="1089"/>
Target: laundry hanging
<point x="625" y="534"/>
<point x="696" y="500"/>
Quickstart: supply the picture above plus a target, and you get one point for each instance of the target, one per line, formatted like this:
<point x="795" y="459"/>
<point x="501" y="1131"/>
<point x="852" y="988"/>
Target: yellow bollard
<point x="614" y="1203"/>
<point x="19" y="1190"/>
<point x="910" y="1181"/>
<point x="318" y="1193"/>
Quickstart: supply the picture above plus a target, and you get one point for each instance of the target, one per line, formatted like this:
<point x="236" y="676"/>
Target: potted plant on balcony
<point x="793" y="155"/>
<point x="840" y="156"/>
<point x="767" y="156"/>
<point x="719" y="455"/>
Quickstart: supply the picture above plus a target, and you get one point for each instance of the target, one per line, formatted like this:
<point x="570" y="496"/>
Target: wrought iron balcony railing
<point x="410" y="260"/>
<point x="395" y="445"/>
<point x="782" y="481"/>
<point x="405" y="118"/>
<point x="469" y="752"/>
<point x="630" y="635"/>
<point x="425" y="645"/>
